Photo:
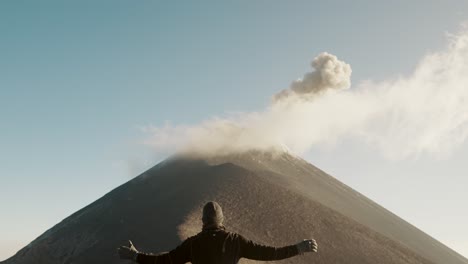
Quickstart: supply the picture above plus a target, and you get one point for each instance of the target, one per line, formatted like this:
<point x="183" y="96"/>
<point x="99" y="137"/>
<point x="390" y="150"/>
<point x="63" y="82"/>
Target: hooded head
<point x="212" y="216"/>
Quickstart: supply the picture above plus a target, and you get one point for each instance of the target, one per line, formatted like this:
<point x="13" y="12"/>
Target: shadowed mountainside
<point x="275" y="199"/>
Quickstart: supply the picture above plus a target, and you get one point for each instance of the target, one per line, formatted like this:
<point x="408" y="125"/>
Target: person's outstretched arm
<point x="179" y="255"/>
<point x="252" y="250"/>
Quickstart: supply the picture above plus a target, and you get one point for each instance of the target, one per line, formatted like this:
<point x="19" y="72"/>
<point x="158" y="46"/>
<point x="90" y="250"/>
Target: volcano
<point x="272" y="198"/>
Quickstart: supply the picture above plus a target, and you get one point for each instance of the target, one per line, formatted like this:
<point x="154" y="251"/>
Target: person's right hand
<point x="129" y="252"/>
<point x="307" y="245"/>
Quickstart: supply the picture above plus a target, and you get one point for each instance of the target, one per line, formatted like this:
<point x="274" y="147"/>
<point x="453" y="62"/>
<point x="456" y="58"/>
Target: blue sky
<point x="78" y="80"/>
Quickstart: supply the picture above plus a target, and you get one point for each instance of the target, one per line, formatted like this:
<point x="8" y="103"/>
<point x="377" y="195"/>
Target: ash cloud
<point x="423" y="113"/>
<point x="329" y="73"/>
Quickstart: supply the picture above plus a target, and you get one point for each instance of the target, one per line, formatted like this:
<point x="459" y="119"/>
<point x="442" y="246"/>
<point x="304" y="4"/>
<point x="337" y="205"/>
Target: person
<point x="214" y="245"/>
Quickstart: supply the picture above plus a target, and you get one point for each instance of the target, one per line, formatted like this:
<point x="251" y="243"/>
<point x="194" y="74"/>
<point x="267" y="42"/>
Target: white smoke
<point x="423" y="113"/>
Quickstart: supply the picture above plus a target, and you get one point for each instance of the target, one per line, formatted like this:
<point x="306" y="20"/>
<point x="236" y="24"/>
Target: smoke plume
<point x="329" y="73"/>
<point x="423" y="113"/>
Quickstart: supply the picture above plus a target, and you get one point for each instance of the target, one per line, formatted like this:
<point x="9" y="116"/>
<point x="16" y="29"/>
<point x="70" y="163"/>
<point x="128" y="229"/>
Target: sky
<point x="80" y="81"/>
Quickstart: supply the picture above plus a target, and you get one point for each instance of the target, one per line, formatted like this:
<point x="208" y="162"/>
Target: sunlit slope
<point x="302" y="177"/>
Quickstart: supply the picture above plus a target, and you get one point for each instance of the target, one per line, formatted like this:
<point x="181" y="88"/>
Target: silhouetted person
<point x="214" y="245"/>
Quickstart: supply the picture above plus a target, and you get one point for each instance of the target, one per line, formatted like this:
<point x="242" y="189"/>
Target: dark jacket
<point x="217" y="247"/>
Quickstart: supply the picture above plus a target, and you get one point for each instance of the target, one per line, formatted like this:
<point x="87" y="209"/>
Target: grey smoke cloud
<point x="425" y="112"/>
<point x="329" y="73"/>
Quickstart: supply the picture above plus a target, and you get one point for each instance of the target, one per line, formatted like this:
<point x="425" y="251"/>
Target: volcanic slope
<point x="274" y="199"/>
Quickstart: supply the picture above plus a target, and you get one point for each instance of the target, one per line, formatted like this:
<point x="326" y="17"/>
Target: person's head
<point x="212" y="216"/>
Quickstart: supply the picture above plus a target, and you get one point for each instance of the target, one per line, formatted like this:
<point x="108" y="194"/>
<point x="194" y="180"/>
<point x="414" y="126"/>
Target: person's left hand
<point x="307" y="245"/>
<point x="129" y="252"/>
